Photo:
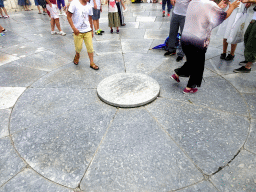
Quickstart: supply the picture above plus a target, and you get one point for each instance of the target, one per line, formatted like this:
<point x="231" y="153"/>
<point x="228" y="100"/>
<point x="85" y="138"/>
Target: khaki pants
<point x="87" y="38"/>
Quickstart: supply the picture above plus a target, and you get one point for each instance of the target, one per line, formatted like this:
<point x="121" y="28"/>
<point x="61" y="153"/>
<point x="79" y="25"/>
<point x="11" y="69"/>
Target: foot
<point x="125" y="9"/>
<point x="192" y="90"/>
<point x="168" y="15"/>
<point x="76" y="59"/>
<point x="62" y="33"/>
<point x="223" y="56"/>
<point x="174" y="77"/>
<point x="170" y="53"/>
<point x="4" y="30"/>
<point x="6" y="16"/>
<point x="98" y="33"/>
<point x="243" y="62"/>
<point x="95" y="67"/>
<point x="163" y="13"/>
<point x="179" y="58"/>
<point x="242" y="70"/>
<point x="111" y="31"/>
<point x="101" y="31"/>
<point x="54" y="32"/>
<point x="39" y="13"/>
<point x="123" y="24"/>
<point x="117" y="31"/>
<point x="230" y="57"/>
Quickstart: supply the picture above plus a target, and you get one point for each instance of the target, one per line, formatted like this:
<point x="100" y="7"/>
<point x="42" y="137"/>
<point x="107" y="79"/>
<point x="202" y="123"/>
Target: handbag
<point x="238" y="28"/>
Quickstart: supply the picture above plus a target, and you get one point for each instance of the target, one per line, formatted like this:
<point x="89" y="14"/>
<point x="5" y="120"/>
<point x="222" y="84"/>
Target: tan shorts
<point x="87" y="38"/>
<point x="53" y="11"/>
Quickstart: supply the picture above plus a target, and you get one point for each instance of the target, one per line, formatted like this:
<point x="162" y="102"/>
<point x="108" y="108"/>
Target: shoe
<point x="125" y="10"/>
<point x="6" y="16"/>
<point x="168" y="15"/>
<point x="174" y="77"/>
<point x="229" y="57"/>
<point x="101" y="31"/>
<point x="111" y="31"/>
<point x="98" y="33"/>
<point x="192" y="90"/>
<point x="242" y="70"/>
<point x="44" y="13"/>
<point x="62" y="33"/>
<point x="179" y="58"/>
<point x="163" y="13"/>
<point x="4" y="31"/>
<point x="117" y="31"/>
<point x="123" y="24"/>
<point x="243" y="62"/>
<point x="39" y="13"/>
<point x="223" y="56"/>
<point x="170" y="53"/>
<point x="54" y="32"/>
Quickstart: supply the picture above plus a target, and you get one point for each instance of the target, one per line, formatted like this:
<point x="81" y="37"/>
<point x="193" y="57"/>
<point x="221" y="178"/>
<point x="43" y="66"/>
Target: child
<point x="79" y="16"/>
<point x="2" y="8"/>
<point x="113" y="17"/>
<point x="52" y="8"/>
<point x="202" y="17"/>
<point x="37" y="4"/>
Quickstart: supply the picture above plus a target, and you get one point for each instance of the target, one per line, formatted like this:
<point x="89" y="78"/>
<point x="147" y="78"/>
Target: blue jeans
<point x="169" y="5"/>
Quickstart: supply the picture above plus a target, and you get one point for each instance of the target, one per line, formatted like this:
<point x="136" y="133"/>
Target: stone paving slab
<point x="239" y="175"/>
<point x="156" y="34"/>
<point x="9" y="96"/>
<point x="4" y="119"/>
<point x="28" y="181"/>
<point x="12" y="75"/>
<point x="59" y="131"/>
<point x="200" y="187"/>
<point x="10" y="162"/>
<point x="251" y="101"/>
<point x="211" y="140"/>
<point x="137" y="155"/>
<point x="7" y="58"/>
<point x="149" y="25"/>
<point x="251" y="141"/>
<point x="132" y="33"/>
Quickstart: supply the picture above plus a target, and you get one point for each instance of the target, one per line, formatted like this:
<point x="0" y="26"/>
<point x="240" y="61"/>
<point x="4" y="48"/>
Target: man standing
<point x="96" y="7"/>
<point x="177" y="21"/>
<point x="249" y="43"/>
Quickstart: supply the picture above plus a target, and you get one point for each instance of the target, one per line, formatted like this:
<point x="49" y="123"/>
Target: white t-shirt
<point x="98" y="3"/>
<point x="181" y="7"/>
<point x="112" y="8"/>
<point x="80" y="15"/>
<point x="202" y="17"/>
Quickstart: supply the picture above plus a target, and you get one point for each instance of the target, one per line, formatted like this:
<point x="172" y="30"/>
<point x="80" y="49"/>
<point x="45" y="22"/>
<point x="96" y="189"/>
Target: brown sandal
<point x="95" y="67"/>
<point x="76" y="59"/>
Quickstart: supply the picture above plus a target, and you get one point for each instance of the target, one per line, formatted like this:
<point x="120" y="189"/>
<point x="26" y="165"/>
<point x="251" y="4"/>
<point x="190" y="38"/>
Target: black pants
<point x="194" y="66"/>
<point x="120" y="12"/>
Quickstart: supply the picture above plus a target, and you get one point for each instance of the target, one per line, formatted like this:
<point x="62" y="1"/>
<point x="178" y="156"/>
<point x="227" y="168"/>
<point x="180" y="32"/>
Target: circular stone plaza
<point x="64" y="127"/>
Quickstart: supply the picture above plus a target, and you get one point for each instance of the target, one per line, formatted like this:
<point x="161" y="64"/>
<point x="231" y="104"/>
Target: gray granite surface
<point x="64" y="138"/>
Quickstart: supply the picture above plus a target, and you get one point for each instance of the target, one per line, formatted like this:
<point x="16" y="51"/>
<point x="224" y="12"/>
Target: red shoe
<point x="174" y="77"/>
<point x="168" y="15"/>
<point x="192" y="90"/>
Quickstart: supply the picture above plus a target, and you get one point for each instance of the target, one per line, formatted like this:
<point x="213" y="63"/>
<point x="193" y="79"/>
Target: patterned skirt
<point x="113" y="19"/>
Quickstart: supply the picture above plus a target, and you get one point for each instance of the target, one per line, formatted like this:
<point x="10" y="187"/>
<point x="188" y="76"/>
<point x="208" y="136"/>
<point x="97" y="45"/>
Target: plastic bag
<point x="238" y="28"/>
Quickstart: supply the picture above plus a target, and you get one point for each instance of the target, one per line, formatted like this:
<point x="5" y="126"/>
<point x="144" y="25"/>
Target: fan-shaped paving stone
<point x="9" y="95"/>
<point x="28" y="181"/>
<point x="239" y="176"/>
<point x="137" y="155"/>
<point x="59" y="131"/>
<point x="251" y="141"/>
<point x="10" y="162"/>
<point x="209" y="137"/>
<point x="204" y="186"/>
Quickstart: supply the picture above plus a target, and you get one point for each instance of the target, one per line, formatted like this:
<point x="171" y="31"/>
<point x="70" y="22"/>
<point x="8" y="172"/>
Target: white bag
<point x="238" y="28"/>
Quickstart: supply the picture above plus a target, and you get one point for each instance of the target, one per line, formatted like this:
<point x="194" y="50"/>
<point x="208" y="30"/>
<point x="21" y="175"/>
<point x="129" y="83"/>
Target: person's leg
<point x="95" y="25"/>
<point x="181" y="24"/>
<point x="1" y="13"/>
<point x="88" y="43"/>
<point x="52" y="24"/>
<point x="174" y="27"/>
<point x="163" y="7"/>
<point x="38" y="7"/>
<point x="57" y="22"/>
<point x="5" y="11"/>
<point x="169" y="6"/>
<point x="78" y="41"/>
<point x="122" y="3"/>
<point x="233" y="49"/>
<point x="1" y="28"/>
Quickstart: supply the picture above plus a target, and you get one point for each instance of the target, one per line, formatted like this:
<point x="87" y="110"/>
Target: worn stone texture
<point x="4" y="119"/>
<point x="128" y="90"/>
<point x="28" y="181"/>
<point x="156" y="34"/>
<point x="210" y="138"/>
<point x="9" y="95"/>
<point x="239" y="176"/>
<point x="10" y="162"/>
<point x="135" y="45"/>
<point x="61" y="130"/>
<point x="251" y="101"/>
<point x="251" y="141"/>
<point x="204" y="186"/>
<point x="6" y="58"/>
<point x="137" y="155"/>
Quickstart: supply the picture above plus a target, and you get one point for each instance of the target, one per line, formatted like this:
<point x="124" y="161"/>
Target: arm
<point x="231" y="8"/>
<point x="69" y="17"/>
<point x="249" y="1"/>
<point x="90" y="20"/>
<point x="47" y="1"/>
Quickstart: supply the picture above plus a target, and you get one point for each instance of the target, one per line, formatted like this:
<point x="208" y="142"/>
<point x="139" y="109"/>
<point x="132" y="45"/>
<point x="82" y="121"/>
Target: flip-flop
<point x="76" y="59"/>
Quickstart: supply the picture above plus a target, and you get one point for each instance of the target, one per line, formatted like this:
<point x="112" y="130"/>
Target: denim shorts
<point x="96" y="14"/>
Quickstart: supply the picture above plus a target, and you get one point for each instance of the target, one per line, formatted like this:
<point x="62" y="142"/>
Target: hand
<point x="223" y="4"/>
<point x="235" y="4"/>
<point x="76" y="32"/>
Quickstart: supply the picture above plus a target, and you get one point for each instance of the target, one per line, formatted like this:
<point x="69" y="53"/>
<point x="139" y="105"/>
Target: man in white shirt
<point x="177" y="21"/>
<point x="79" y="16"/>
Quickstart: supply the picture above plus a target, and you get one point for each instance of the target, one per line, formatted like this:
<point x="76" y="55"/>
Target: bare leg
<point x="5" y="11"/>
<point x="117" y="28"/>
<point x="91" y="58"/>
<point x="52" y="24"/>
<point x="95" y="25"/>
<point x="38" y="8"/>
<point x="248" y="65"/>
<point x="122" y="3"/>
<point x="233" y="49"/>
<point x="1" y="12"/>
<point x="1" y="28"/>
<point x="225" y="45"/>
<point x="57" y="22"/>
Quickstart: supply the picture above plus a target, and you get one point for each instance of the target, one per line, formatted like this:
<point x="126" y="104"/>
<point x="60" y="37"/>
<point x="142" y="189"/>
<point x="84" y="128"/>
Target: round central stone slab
<point x="128" y="90"/>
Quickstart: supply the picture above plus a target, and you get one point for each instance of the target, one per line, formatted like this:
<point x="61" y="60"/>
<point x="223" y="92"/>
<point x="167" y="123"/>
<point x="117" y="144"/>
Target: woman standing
<point x="202" y="17"/>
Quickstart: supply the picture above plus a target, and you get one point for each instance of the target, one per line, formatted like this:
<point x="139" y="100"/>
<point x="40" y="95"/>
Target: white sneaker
<point x="125" y="9"/>
<point x="62" y="33"/>
<point x="54" y="32"/>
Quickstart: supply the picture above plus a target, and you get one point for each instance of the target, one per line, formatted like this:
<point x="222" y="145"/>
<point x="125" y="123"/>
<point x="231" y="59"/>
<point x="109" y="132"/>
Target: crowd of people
<point x="195" y="20"/>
